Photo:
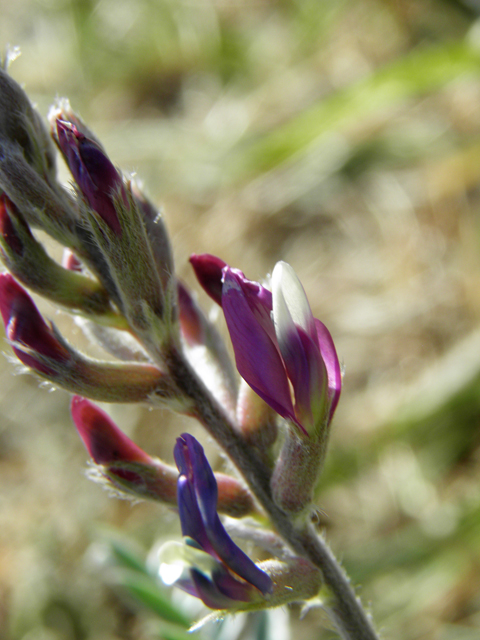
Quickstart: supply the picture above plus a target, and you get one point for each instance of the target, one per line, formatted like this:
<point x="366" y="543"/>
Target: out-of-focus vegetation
<point x="342" y="136"/>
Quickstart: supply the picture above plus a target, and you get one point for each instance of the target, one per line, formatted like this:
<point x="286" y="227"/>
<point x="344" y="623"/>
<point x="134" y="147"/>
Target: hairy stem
<point x="346" y="611"/>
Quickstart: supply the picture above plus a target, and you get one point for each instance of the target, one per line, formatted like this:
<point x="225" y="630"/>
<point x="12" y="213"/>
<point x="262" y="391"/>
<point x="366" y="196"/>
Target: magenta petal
<point x="256" y="352"/>
<point x="209" y="272"/>
<point x="332" y="364"/>
<point x="25" y="326"/>
<point x="306" y="371"/>
<point x="104" y="441"/>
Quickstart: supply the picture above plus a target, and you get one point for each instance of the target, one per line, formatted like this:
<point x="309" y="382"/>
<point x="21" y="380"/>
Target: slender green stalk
<point x="345" y="610"/>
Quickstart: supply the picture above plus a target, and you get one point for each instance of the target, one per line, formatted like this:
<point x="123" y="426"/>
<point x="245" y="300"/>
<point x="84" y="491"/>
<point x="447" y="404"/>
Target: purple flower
<point x="33" y="340"/>
<point x="98" y="179"/>
<point x="212" y="567"/>
<point x="285" y="354"/>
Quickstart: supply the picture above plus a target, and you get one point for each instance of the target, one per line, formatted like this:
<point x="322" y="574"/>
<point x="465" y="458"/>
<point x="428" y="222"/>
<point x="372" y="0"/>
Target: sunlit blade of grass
<point x="145" y="591"/>
<point x="419" y="73"/>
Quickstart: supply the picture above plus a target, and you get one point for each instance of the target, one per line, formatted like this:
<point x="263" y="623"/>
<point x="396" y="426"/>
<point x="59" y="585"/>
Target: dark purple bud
<point x="98" y="179"/>
<point x="197" y="503"/>
<point x="104" y="441"/>
<point x="209" y="272"/>
<point x="26" y="329"/>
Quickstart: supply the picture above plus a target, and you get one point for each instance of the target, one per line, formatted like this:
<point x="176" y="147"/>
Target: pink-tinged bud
<point x="94" y="173"/>
<point x="33" y="340"/>
<point x="209" y="272"/>
<point x="119" y="459"/>
<point x="104" y="441"/>
<point x="126" y="466"/>
<point x="7" y="230"/>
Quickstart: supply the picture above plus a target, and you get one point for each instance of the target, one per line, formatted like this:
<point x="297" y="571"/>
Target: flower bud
<point x="119" y="459"/>
<point x="21" y="128"/>
<point x="33" y="341"/>
<point x="29" y="263"/>
<point x="129" y="469"/>
<point x="39" y="346"/>
<point x="129" y="237"/>
<point x="209" y="272"/>
<point x="97" y="178"/>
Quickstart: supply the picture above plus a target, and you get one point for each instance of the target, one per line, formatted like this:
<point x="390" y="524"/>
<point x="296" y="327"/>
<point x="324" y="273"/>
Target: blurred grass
<point x="343" y="137"/>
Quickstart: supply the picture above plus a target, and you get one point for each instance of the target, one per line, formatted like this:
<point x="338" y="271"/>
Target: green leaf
<point x="150" y="595"/>
<point x="420" y="72"/>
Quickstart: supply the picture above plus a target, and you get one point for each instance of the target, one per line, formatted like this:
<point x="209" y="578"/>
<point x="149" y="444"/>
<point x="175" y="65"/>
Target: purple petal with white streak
<point x="258" y="359"/>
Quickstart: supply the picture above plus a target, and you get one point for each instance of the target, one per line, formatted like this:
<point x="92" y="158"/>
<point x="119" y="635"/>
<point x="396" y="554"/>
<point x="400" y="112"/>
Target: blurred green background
<point x="342" y="136"/>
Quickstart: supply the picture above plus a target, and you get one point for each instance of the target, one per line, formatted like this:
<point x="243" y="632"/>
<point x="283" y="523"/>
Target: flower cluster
<point x="119" y="281"/>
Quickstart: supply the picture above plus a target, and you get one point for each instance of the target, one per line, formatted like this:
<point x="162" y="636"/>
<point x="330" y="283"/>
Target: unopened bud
<point x="296" y="472"/>
<point x="39" y="346"/>
<point x="119" y="459"/>
<point x="21" y="128"/>
<point x="208" y="270"/>
<point x="33" y="341"/>
<point x="28" y="261"/>
<point x="94" y="173"/>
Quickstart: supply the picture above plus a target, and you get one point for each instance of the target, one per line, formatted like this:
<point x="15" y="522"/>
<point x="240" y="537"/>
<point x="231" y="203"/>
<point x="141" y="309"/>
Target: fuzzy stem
<point x="346" y="612"/>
